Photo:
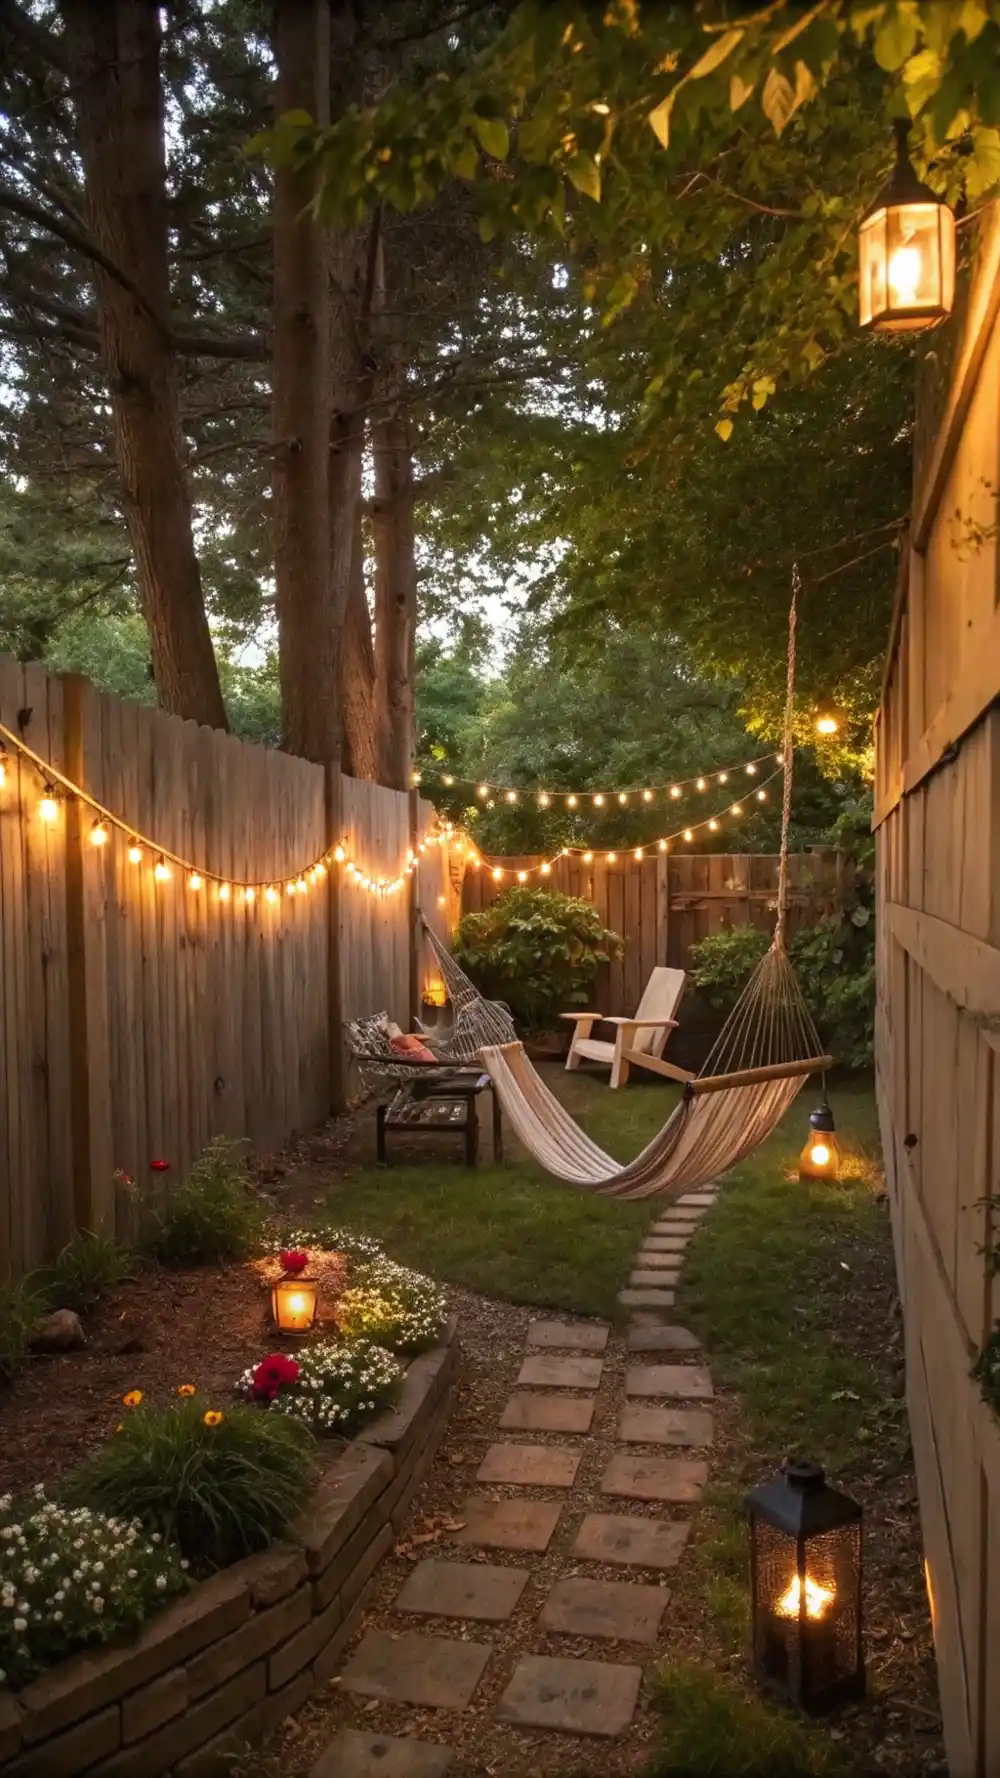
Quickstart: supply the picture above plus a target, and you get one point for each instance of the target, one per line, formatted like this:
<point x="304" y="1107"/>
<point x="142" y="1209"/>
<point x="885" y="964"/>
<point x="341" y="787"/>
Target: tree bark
<point x="395" y="595"/>
<point x="309" y="633"/>
<point x="114" y="57"/>
<point x="361" y="741"/>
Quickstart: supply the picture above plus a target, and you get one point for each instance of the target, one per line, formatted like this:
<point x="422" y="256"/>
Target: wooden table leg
<point x="497" y="1126"/>
<point x="380" y="1115"/>
<point x="471" y="1132"/>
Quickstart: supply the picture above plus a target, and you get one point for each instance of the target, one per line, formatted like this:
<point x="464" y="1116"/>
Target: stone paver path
<point x="574" y="1577"/>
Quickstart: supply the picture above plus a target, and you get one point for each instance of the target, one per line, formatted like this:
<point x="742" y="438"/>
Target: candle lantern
<point x="820" y="1158"/>
<point x="293" y="1305"/>
<point x="805" y="1577"/>
<point x="906" y="252"/>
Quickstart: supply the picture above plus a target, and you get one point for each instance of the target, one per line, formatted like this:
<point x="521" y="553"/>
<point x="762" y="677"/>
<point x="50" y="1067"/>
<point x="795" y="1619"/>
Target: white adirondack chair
<point x="639" y="1041"/>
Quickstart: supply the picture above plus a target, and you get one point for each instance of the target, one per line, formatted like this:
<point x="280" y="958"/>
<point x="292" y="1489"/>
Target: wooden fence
<point x="139" y="1017"/>
<point x="938" y="1018"/>
<point x="663" y="905"/>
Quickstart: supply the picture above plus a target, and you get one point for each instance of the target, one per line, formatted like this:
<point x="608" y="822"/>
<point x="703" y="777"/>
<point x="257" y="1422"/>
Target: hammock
<point x="759" y="1063"/>
<point x="477" y="1021"/>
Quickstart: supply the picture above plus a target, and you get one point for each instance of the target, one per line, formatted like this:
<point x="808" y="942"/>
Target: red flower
<point x="293" y="1262"/>
<point x="272" y="1374"/>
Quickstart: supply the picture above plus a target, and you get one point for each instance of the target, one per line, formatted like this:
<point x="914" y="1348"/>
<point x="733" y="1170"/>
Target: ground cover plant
<point x="332" y="1387"/>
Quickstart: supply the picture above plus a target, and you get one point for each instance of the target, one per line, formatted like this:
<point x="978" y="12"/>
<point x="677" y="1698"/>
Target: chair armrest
<point x="641" y="1024"/>
<point x="592" y="1016"/>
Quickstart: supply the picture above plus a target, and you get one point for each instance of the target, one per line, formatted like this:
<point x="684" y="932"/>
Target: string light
<point x="497" y="873"/>
<point x="249" y="893"/>
<point x="448" y="779"/>
<point x="723" y="777"/>
<point x="271" y="893"/>
<point x="663" y="845"/>
<point x="688" y="835"/>
<point x="522" y="876"/>
<point x="588" y="858"/>
<point x="301" y="885"/>
<point x="338" y="853"/>
<point x="546" y="797"/>
<point x="622" y="798"/>
<point x="762" y="796"/>
<point x="195" y="880"/>
<point x="612" y="857"/>
<point x="675" y="790"/>
<point x="512" y="796"/>
<point x="546" y="870"/>
<point x="161" y="870"/>
<point x="571" y="802"/>
<point x="598" y="801"/>
<point x="98" y="834"/>
<point x="483" y="791"/>
<point x="224" y="892"/>
<point x="647" y="796"/>
<point x="751" y="770"/>
<point x="48" y="808"/>
<point x="638" y="852"/>
<point x="700" y="784"/>
<point x="713" y="827"/>
<point x="135" y="853"/>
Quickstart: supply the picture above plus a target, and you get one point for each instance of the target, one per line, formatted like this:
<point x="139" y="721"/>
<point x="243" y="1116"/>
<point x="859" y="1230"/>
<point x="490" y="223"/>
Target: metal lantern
<point x="906" y="252"/>
<point x="293" y="1304"/>
<point x="820" y="1159"/>
<point x="805" y="1577"/>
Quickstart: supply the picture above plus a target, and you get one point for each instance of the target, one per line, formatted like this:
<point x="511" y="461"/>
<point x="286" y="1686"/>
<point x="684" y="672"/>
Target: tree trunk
<point x="395" y="595"/>
<point x="361" y="748"/>
<point x="114" y="50"/>
<point x="309" y="633"/>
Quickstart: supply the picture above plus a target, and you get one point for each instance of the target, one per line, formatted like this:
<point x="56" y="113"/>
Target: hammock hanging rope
<point x="767" y="1047"/>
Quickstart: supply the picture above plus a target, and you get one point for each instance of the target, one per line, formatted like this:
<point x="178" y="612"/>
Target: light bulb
<point x="512" y="796"/>
<point x="483" y="791"/>
<point x="98" y="834"/>
<point x="546" y="870"/>
<point x="700" y="785"/>
<point x="612" y="857"/>
<point x="723" y="777"/>
<point x="780" y="758"/>
<point x="688" y="835"/>
<point x="338" y="854"/>
<point x="647" y="796"/>
<point x="588" y="858"/>
<point x="135" y="853"/>
<point x="448" y="779"/>
<point x="497" y="873"/>
<point x="224" y="892"/>
<point x="736" y="809"/>
<point x="663" y="845"/>
<point x="161" y="870"/>
<point x="762" y="796"/>
<point x="751" y="770"/>
<point x="301" y="885"/>
<point x="321" y="869"/>
<point x="249" y="894"/>
<point x="48" y="808"/>
<point x="638" y="852"/>
<point x="291" y="889"/>
<point x="270" y="893"/>
<point x="598" y="801"/>
<point x="414" y="777"/>
<point x="195" y="881"/>
<point x="522" y="876"/>
<point x="622" y="798"/>
<point x="819" y="1154"/>
<point x="675" y="790"/>
<point x="544" y="800"/>
<point x="571" y="802"/>
<point x="713" y="827"/>
<point x="826" y="725"/>
<point x="905" y="272"/>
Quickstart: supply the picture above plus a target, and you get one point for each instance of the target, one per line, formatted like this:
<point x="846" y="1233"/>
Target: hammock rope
<point x="759" y="1062"/>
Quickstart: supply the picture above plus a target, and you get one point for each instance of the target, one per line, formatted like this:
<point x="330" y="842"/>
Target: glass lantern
<point x="906" y="252"/>
<point x="805" y="1576"/>
<point x="293" y="1305"/>
<point x="820" y="1158"/>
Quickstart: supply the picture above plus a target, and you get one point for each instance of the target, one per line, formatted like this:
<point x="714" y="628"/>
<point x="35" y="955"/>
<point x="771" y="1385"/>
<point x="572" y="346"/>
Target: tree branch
<point x="81" y="242"/>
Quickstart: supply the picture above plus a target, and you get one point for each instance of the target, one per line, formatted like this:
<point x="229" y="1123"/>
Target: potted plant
<point x="539" y="951"/>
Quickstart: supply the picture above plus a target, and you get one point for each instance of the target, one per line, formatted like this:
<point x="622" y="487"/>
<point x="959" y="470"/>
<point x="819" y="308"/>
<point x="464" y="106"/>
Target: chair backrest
<point x="660" y="999"/>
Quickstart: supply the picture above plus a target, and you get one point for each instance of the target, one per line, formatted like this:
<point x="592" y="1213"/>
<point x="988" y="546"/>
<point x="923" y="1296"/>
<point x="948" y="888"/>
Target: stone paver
<point x="665" y="1426"/>
<point x="665" y="1244"/>
<point x="530" y="1466"/>
<point x="543" y="1372"/>
<point x="640" y="1280"/>
<point x="688" y="1382"/>
<point x="547" y="1413"/>
<point x="646" y="1299"/>
<point x="508" y="1524"/>
<point x="679" y="1480"/>
<point x="659" y="1262"/>
<point x="357" y="1755"/>
<point x="673" y="1220"/>
<point x="662" y="1339"/>
<point x="632" y="1543"/>
<point x="462" y="1589"/>
<point x="702" y="1199"/>
<point x="579" y="1336"/>
<point x="416" y="1669"/>
<point x="621" y="1610"/>
<point x="579" y="1697"/>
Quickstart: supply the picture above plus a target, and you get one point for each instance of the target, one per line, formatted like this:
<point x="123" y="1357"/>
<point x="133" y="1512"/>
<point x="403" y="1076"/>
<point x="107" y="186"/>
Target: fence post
<point x="86" y="957"/>
<point x="416" y="935"/>
<point x="662" y="908"/>
<point x="335" y="995"/>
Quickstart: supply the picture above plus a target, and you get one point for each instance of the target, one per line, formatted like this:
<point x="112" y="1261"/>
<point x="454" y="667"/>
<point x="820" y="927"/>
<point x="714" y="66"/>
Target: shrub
<point x="218" y="1484"/>
<point x="986" y="1370"/>
<point x="834" y="961"/>
<point x="328" y="1237"/>
<point x="212" y="1216"/>
<point x="336" y="1388"/>
<point x="397" y="1308"/>
<point x="20" y="1307"/>
<point x="722" y="964"/>
<point x="87" y="1270"/>
<point x="537" y="950"/>
<point x="72" y="1576"/>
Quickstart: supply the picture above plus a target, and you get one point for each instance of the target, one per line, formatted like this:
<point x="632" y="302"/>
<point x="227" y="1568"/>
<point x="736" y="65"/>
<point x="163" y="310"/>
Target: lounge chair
<point x="639" y="1041"/>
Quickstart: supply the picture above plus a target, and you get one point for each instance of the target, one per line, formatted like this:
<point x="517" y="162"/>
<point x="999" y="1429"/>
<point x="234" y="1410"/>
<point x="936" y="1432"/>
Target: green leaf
<point x="740" y="91"/>
<point x="488" y="227"/>
<point x="982" y="170"/>
<point x="973" y="16"/>
<point x="584" y="172"/>
<point x="659" y="119"/>
<point x="715" y="55"/>
<point x="778" y="100"/>
<point x="465" y="160"/>
<point x="896" y="37"/>
<point x="494" y="136"/>
<point x="725" y="429"/>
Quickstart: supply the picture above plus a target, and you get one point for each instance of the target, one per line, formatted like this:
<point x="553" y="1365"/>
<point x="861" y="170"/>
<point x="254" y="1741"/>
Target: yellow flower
<point x="133" y="1398"/>
<point x="120" y="1427"/>
<point x="185" y="1388"/>
<point x="212" y="1418"/>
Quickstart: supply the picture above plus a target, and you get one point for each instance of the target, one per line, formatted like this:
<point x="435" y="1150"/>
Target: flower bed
<point x="220" y="1667"/>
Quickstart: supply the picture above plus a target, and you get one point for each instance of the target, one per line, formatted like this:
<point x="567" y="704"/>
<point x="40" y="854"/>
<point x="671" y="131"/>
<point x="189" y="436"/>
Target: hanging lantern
<point x="906" y="252"/>
<point x="820" y="1158"/>
<point x="827" y="722"/>
<point x="293" y="1304"/>
<point x="805" y="1578"/>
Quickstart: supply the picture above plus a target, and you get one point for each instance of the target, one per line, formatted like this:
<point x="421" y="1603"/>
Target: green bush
<point x="20" y="1306"/>
<point x="537" y="950"/>
<point x="395" y="1307"/>
<point x="87" y="1270"/>
<point x="835" y="964"/>
<point x="212" y="1216"/>
<point x="219" y="1485"/>
<point x="69" y="1576"/>
<point x="713" y="1730"/>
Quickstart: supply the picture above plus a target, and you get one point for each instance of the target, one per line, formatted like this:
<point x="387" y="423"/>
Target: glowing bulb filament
<point x="512" y="796"/>
<point x="598" y="801"/>
<point x="819" y="1154"/>
<point x="817" y="1599"/>
<point x="98" y="834"/>
<point x="224" y="891"/>
<point x="161" y="870"/>
<point x="612" y="857"/>
<point x="571" y="802"/>
<point x="195" y="881"/>
<point x="588" y="858"/>
<point x="135" y="853"/>
<point x="905" y="274"/>
<point x="546" y="870"/>
<point x="48" y="808"/>
<point x="647" y="796"/>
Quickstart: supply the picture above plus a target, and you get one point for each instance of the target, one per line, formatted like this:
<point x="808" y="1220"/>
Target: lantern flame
<point x="817" y="1599"/>
<point x="819" y="1154"/>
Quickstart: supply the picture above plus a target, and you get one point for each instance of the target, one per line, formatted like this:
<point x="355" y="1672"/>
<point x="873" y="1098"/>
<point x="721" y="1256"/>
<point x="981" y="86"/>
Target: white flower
<point x="20" y="1623"/>
<point x="161" y="1583"/>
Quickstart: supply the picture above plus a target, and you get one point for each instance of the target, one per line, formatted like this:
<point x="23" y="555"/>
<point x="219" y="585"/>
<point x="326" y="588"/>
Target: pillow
<point x="413" y="1048"/>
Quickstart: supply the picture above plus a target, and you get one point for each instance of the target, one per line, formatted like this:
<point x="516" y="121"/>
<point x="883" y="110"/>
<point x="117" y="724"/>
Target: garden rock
<point x="62" y="1331"/>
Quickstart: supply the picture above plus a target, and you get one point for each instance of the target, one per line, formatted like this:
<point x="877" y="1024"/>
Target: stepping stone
<point x="689" y="1382"/>
<point x="579" y="1697"/>
<point x="621" y="1610"/>
<point x="560" y="1373"/>
<point x="547" y="1413"/>
<point x="676" y="1220"/>
<point x="356" y="1755"/>
<point x="678" y="1480"/>
<point x="579" y="1336"/>
<point x="665" y="1243"/>
<point x="632" y="1543"/>
<point x="508" y="1524"/>
<point x="660" y="1262"/>
<point x="665" y="1426"/>
<point x="704" y="1200"/>
<point x="462" y="1589"/>
<point x="641" y="1279"/>
<point x="530" y="1466"/>
<point x="416" y="1669"/>
<point x="646" y="1299"/>
<point x="662" y="1339"/>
